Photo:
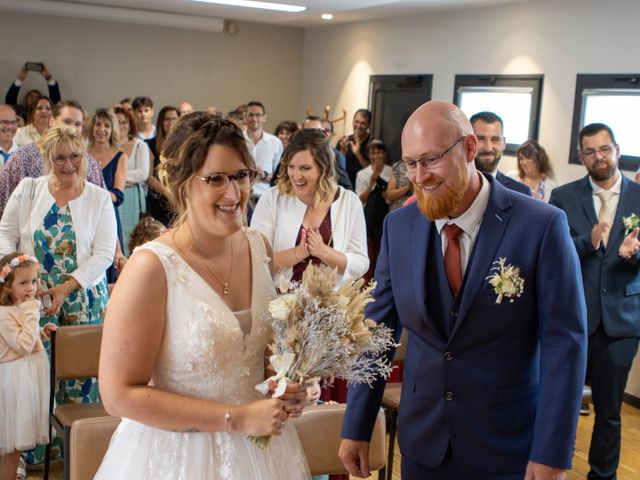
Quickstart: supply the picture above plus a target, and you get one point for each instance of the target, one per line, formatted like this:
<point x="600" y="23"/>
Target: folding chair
<point x="75" y="354"/>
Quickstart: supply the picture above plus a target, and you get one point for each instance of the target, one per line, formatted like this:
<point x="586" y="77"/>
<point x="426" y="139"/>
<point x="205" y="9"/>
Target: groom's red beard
<point x="448" y="198"/>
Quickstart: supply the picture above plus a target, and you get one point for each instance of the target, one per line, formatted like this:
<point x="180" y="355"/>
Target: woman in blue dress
<point x="104" y="141"/>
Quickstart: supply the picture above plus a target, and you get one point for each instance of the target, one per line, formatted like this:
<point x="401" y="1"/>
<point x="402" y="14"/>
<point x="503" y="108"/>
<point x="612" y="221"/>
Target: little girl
<point x="24" y="366"/>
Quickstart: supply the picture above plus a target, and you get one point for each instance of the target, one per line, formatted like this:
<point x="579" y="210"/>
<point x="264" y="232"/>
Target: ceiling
<point x="343" y="10"/>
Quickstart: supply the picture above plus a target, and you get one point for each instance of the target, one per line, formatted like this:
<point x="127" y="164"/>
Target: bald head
<point x="184" y="108"/>
<point x="436" y="120"/>
<point x="8" y="127"/>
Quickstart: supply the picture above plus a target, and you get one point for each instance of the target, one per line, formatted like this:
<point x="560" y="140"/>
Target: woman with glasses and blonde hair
<point x="181" y="369"/>
<point x="69" y="226"/>
<point x="534" y="170"/>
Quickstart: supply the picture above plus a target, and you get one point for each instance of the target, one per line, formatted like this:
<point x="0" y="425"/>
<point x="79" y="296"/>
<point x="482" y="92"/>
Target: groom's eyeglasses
<point x="430" y="162"/>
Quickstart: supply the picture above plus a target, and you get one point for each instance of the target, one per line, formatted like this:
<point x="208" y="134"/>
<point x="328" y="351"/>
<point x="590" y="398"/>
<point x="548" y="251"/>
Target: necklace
<point x="225" y="285"/>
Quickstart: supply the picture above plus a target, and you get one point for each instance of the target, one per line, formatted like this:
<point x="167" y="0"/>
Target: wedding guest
<point x="135" y="192"/>
<point x="39" y="119"/>
<point x="143" y="113"/>
<point x="104" y="146"/>
<point x="354" y="147"/>
<point x="399" y="189"/>
<point x="32" y="96"/>
<point x="69" y="225"/>
<point x="307" y="217"/>
<point x="157" y="203"/>
<point x="8" y="129"/>
<point x="534" y="170"/>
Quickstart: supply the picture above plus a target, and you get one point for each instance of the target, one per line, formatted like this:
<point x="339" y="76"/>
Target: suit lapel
<point x="492" y="229"/>
<point x="625" y="208"/>
<point x="586" y="200"/>
<point x="420" y="247"/>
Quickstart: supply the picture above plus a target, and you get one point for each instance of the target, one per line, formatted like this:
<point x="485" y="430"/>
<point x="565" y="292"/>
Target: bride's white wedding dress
<point x="205" y="354"/>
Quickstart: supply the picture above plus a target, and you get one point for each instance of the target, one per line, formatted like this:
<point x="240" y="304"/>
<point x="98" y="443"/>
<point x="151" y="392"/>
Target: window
<point x="613" y="100"/>
<point x="514" y="98"/>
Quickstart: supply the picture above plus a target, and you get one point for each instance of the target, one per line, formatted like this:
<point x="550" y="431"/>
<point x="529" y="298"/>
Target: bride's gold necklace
<point x="225" y="285"/>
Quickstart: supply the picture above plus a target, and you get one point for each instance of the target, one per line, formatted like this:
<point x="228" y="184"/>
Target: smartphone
<point x="34" y="66"/>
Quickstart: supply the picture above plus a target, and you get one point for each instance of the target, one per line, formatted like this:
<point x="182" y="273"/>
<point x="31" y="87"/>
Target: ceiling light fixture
<point x="281" y="7"/>
<point x="327" y="16"/>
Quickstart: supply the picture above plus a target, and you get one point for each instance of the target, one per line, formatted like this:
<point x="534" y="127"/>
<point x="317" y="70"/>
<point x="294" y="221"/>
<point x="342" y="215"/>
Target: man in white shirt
<point x="143" y="113"/>
<point x="8" y="129"/>
<point x="266" y="149"/>
<point x="601" y="208"/>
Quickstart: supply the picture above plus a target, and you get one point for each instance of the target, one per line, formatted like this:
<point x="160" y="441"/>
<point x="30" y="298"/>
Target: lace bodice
<point x="204" y="353"/>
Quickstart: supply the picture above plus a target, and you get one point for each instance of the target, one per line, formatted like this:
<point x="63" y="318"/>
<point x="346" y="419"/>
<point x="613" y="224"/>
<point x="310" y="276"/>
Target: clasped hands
<point x="311" y="243"/>
<point x="629" y="246"/>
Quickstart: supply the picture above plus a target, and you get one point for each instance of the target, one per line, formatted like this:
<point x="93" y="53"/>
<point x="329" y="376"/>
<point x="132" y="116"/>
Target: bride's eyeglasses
<point x="219" y="181"/>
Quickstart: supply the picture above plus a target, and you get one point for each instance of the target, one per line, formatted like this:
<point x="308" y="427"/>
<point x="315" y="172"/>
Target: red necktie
<point x="452" y="258"/>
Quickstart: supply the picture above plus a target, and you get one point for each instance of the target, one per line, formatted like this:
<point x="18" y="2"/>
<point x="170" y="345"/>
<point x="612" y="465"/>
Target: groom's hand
<point x="355" y="456"/>
<point x="537" y="471"/>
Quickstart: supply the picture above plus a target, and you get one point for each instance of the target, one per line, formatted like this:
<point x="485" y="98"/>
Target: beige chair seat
<point x="69" y="413"/>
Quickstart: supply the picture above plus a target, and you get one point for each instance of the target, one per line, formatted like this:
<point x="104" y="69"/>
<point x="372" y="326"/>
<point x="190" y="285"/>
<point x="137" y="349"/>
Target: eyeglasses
<point x="60" y="160"/>
<point x="220" y="181"/>
<point x="605" y="151"/>
<point x="8" y="123"/>
<point x="430" y="162"/>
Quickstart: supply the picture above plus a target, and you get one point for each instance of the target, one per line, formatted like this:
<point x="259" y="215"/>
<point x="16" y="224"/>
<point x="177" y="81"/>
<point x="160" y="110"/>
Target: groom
<point x="495" y="359"/>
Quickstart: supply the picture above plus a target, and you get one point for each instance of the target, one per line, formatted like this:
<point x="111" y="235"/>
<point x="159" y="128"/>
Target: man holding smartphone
<point x="32" y="96"/>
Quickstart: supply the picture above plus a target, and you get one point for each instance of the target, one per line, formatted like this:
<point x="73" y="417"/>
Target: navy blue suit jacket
<point x="512" y="184"/>
<point x="611" y="283"/>
<point x="514" y="370"/>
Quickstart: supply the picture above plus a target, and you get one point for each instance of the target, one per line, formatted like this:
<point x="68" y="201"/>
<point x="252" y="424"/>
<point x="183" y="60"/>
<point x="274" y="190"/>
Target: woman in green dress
<point x="69" y="225"/>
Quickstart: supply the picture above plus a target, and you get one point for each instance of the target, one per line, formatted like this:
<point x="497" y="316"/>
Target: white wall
<point x="556" y="38"/>
<point x="99" y="63"/>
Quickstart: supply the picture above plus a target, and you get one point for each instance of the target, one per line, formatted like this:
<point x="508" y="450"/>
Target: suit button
<point x="604" y="290"/>
<point x="448" y="356"/>
<point x="448" y="396"/>
<point x="453" y="314"/>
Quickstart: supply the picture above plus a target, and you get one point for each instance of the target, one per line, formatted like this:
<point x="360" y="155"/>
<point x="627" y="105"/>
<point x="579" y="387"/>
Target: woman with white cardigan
<point x="307" y="217"/>
<point x="69" y="225"/>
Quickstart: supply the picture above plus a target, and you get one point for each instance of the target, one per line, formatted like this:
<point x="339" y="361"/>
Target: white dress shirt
<point x="469" y="222"/>
<point x="266" y="153"/>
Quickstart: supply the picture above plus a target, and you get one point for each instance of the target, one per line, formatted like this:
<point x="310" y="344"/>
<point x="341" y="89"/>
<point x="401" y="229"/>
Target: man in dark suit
<point x="596" y="207"/>
<point x="496" y="356"/>
<point x="488" y="129"/>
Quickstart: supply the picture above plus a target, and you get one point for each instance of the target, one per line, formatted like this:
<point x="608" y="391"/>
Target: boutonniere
<point x="630" y="222"/>
<point x="506" y="280"/>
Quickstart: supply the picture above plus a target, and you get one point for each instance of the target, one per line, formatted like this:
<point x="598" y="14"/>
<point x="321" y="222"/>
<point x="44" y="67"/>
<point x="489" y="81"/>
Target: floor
<point x="629" y="466"/>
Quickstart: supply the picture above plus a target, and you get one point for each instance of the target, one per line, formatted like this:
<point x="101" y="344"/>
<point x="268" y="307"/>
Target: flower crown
<point x="11" y="266"/>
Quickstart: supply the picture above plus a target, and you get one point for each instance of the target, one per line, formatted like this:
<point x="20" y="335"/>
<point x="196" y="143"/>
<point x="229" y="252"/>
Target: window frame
<point x="600" y="81"/>
<point x="535" y="82"/>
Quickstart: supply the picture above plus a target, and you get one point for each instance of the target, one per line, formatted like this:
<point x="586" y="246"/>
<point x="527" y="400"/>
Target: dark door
<point x="392" y="98"/>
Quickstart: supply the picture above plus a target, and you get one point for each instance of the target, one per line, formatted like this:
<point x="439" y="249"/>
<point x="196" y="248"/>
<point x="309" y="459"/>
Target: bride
<point x="184" y="336"/>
